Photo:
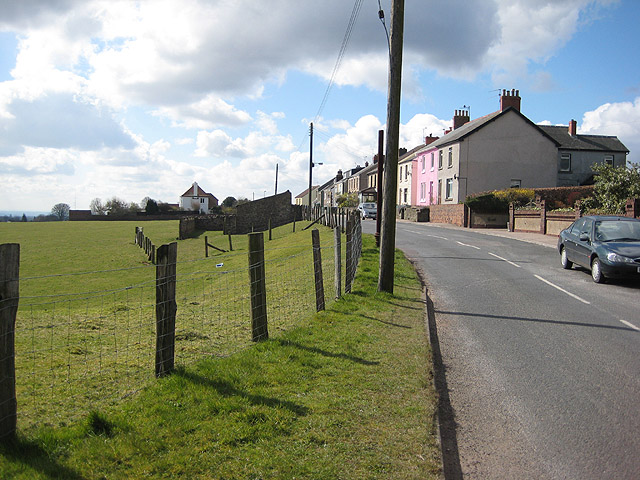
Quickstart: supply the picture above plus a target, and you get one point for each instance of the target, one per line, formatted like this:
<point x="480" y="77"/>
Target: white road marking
<point x="504" y="260"/>
<point x="631" y="325"/>
<point x="413" y="231"/>
<point x="465" y="245"/>
<point x="436" y="236"/>
<point x="562" y="290"/>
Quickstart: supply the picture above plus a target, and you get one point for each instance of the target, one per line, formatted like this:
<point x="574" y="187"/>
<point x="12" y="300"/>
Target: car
<point x="609" y="246"/>
<point x="368" y="210"/>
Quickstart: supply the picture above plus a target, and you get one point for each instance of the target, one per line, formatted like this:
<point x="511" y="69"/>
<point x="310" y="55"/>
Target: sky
<point x="135" y="99"/>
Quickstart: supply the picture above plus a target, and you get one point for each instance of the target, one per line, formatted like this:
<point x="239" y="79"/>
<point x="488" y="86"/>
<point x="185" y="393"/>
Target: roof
<point x="473" y="126"/>
<point x="410" y="155"/>
<point x="201" y="193"/>
<point x="583" y="142"/>
<point x="306" y="190"/>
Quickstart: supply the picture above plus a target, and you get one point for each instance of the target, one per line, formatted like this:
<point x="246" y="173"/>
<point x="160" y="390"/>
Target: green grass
<point x="348" y="395"/>
<point x="85" y="332"/>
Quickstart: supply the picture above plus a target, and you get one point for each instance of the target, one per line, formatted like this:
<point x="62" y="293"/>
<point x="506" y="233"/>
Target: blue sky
<point x="134" y="99"/>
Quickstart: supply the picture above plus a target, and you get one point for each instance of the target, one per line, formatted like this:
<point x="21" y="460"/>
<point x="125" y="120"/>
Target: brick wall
<point x="455" y="214"/>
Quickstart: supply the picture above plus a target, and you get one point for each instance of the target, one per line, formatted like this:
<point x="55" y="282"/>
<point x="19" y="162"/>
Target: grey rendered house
<point x="577" y="153"/>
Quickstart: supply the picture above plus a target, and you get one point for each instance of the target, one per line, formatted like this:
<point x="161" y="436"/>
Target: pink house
<point x="425" y="175"/>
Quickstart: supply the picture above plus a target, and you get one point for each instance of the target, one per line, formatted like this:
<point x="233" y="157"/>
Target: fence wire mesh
<point x="79" y="351"/>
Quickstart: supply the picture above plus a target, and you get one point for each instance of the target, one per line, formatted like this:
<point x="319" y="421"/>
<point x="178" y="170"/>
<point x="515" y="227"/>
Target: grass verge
<point x="348" y="395"/>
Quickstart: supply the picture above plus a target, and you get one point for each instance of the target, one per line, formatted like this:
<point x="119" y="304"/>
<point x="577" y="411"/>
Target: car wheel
<point x="566" y="263"/>
<point x="596" y="271"/>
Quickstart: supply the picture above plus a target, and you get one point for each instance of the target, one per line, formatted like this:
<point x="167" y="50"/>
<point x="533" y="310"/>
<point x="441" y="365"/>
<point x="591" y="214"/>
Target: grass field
<point x="346" y="393"/>
<point x="85" y="332"/>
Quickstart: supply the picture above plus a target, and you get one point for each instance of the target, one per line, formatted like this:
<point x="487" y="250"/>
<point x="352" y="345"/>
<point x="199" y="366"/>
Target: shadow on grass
<point x="226" y="389"/>
<point x="386" y="323"/>
<point x="32" y="455"/>
<point x="324" y="353"/>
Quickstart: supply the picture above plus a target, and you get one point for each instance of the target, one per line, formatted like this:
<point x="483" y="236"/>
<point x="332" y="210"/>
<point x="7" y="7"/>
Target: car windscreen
<point x="617" y="231"/>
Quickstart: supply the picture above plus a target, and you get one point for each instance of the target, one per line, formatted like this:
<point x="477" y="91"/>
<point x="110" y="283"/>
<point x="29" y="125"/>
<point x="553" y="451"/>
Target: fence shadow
<point x="227" y="389"/>
<point x="324" y="353"/>
<point x="31" y="454"/>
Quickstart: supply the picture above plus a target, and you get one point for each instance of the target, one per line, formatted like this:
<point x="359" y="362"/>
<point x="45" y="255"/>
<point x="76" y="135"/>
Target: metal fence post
<point x="338" y="261"/>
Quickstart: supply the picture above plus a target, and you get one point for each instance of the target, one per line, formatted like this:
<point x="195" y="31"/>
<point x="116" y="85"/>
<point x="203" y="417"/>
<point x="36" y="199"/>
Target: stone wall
<point x="417" y="214"/>
<point x="254" y="216"/>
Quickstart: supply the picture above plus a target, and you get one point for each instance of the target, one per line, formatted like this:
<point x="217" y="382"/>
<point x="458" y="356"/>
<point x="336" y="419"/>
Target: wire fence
<point x="73" y="352"/>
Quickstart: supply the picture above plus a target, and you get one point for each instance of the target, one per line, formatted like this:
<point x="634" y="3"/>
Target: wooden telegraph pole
<point x="310" y="163"/>
<point x="388" y="231"/>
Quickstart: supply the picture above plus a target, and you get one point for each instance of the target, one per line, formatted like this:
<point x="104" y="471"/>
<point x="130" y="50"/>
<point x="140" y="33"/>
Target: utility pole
<point x="310" y="162"/>
<point x="379" y="186"/>
<point x="276" y="191"/>
<point x="388" y="232"/>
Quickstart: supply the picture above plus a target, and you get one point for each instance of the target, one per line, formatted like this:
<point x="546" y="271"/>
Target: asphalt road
<point x="541" y="366"/>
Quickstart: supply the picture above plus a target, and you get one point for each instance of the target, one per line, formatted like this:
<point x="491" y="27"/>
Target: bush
<point x="613" y="187"/>
<point x="498" y="201"/>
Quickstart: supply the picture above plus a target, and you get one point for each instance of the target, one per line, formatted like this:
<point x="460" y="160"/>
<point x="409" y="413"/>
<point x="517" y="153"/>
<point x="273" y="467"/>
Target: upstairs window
<point x="608" y="160"/>
<point x="440" y="154"/>
<point x="432" y="160"/>
<point x="450" y="157"/>
<point x="565" y="162"/>
<point x="423" y="164"/>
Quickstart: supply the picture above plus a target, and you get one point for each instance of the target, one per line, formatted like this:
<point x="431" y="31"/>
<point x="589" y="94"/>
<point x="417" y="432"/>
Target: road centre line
<point x="562" y="290"/>
<point x="630" y="325"/>
<point x="413" y="231"/>
<point x="465" y="245"/>
<point x="436" y="236"/>
<point x="505" y="260"/>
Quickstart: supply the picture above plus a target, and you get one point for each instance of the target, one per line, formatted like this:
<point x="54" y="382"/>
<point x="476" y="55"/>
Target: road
<point x="541" y="366"/>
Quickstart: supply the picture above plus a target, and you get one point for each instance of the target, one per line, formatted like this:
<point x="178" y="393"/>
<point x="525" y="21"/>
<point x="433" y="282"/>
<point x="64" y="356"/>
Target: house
<point x="303" y="198"/>
<point x="410" y="166"/>
<point x="577" y="153"/>
<point x="426" y="174"/>
<point x="196" y="199"/>
<point x="505" y="149"/>
<point x="500" y="150"/>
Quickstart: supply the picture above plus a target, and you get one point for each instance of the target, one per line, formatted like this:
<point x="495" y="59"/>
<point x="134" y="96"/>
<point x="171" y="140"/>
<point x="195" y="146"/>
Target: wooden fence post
<point x="206" y="247"/>
<point x="257" y="282"/>
<point x="230" y="244"/>
<point x="166" y="308"/>
<point x="269" y="227"/>
<point x="337" y="235"/>
<point x="349" y="257"/>
<point x="317" y="269"/>
<point x="9" y="298"/>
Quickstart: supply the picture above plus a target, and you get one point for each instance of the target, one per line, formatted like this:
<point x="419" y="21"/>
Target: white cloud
<point x="620" y="119"/>
<point x="207" y="113"/>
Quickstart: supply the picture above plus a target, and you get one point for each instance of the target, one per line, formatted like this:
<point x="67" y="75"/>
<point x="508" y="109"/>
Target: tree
<point x="613" y="187"/>
<point x="97" y="208"/>
<point x="229" y="202"/>
<point x="151" y="206"/>
<point x="116" y="207"/>
<point x="60" y="211"/>
<point x="346" y="200"/>
<point x="24" y="217"/>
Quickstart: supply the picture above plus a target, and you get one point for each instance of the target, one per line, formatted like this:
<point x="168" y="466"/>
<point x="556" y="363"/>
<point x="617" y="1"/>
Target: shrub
<point x="498" y="201"/>
<point x="613" y="187"/>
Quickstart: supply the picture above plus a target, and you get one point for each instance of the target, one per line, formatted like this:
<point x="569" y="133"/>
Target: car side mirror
<point x="584" y="237"/>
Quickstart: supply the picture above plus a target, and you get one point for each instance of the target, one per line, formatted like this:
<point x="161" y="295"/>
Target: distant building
<point x="197" y="200"/>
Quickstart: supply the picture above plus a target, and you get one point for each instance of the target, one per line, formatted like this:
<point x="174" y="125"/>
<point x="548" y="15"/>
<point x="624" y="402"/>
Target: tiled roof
<point x="201" y="193"/>
<point x="583" y="142"/>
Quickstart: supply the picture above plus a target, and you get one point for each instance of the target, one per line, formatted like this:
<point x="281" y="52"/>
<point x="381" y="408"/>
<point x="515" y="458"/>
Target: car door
<point x="583" y="247"/>
<point x="571" y="239"/>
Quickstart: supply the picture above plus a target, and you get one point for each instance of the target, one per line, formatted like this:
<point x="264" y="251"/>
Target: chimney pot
<point x="573" y="127"/>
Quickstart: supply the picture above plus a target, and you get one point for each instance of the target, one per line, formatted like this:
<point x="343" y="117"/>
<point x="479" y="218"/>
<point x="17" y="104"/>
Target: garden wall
<point x="455" y="214"/>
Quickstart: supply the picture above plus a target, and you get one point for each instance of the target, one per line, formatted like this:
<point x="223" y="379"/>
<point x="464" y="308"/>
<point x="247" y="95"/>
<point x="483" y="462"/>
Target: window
<point x="449" y="189"/>
<point x="450" y="157"/>
<point x="430" y="193"/>
<point x="423" y="164"/>
<point x="432" y="159"/>
<point x="515" y="183"/>
<point x="440" y="153"/>
<point x="608" y="160"/>
<point x="202" y="200"/>
<point x="565" y="162"/>
<point x="439" y="191"/>
<point x="406" y="190"/>
<point x="406" y="171"/>
<point x="423" y="191"/>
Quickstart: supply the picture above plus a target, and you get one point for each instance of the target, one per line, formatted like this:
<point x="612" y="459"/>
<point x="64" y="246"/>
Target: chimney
<point x="510" y="99"/>
<point x="195" y="189"/>
<point x="339" y="176"/>
<point x="460" y="118"/>
<point x="572" y="128"/>
<point x="430" y="139"/>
